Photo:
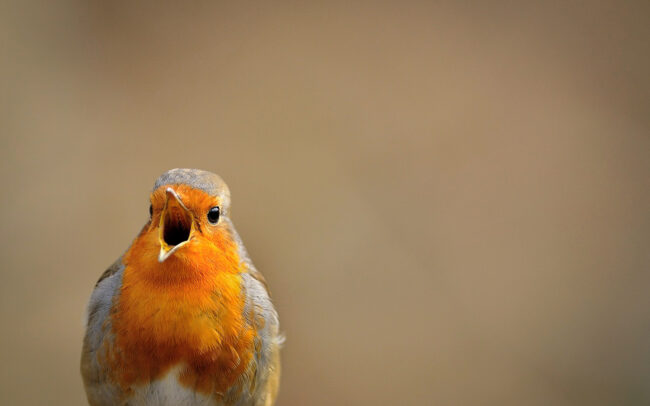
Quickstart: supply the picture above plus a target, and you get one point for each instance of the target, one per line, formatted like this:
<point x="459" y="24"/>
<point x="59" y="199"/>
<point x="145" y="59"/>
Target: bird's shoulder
<point x="98" y="329"/>
<point x="261" y="313"/>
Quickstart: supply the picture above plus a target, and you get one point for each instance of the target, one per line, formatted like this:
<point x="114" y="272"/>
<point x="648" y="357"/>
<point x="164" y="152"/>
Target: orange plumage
<point x="183" y="303"/>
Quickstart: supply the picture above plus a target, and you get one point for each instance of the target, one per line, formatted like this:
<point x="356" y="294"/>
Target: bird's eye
<point x="150" y="210"/>
<point x="213" y="215"/>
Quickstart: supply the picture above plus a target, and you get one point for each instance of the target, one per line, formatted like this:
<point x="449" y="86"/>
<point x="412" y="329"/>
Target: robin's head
<point x="189" y="223"/>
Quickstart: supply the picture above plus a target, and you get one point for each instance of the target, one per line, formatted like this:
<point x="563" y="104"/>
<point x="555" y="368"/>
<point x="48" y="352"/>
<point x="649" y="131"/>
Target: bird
<point x="183" y="317"/>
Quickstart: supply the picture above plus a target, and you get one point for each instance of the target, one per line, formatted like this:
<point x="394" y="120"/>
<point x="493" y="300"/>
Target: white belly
<point x="167" y="391"/>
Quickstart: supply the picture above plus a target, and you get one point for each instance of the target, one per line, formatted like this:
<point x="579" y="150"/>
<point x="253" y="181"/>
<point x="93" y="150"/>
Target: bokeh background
<point x="450" y="200"/>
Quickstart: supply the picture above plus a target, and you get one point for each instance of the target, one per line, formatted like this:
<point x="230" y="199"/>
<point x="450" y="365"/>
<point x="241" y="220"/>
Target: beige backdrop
<point x="450" y="201"/>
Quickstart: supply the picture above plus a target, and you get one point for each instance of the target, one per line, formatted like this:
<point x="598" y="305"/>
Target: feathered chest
<point x="198" y="327"/>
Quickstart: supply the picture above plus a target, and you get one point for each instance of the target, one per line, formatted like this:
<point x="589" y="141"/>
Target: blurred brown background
<point x="450" y="200"/>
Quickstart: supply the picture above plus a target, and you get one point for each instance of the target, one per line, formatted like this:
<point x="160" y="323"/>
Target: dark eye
<point x="213" y="215"/>
<point x="150" y="210"/>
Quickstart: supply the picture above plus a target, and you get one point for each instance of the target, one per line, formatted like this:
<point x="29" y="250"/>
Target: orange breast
<point x="188" y="310"/>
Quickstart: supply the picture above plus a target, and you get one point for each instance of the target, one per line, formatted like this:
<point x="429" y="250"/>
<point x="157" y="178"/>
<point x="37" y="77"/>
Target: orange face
<point x="181" y="300"/>
<point x="184" y="237"/>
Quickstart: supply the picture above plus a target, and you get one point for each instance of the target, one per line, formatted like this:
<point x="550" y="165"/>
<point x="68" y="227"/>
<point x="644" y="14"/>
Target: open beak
<point x="176" y="225"/>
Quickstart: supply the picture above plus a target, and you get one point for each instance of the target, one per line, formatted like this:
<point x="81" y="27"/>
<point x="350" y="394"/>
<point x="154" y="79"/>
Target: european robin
<point x="183" y="317"/>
